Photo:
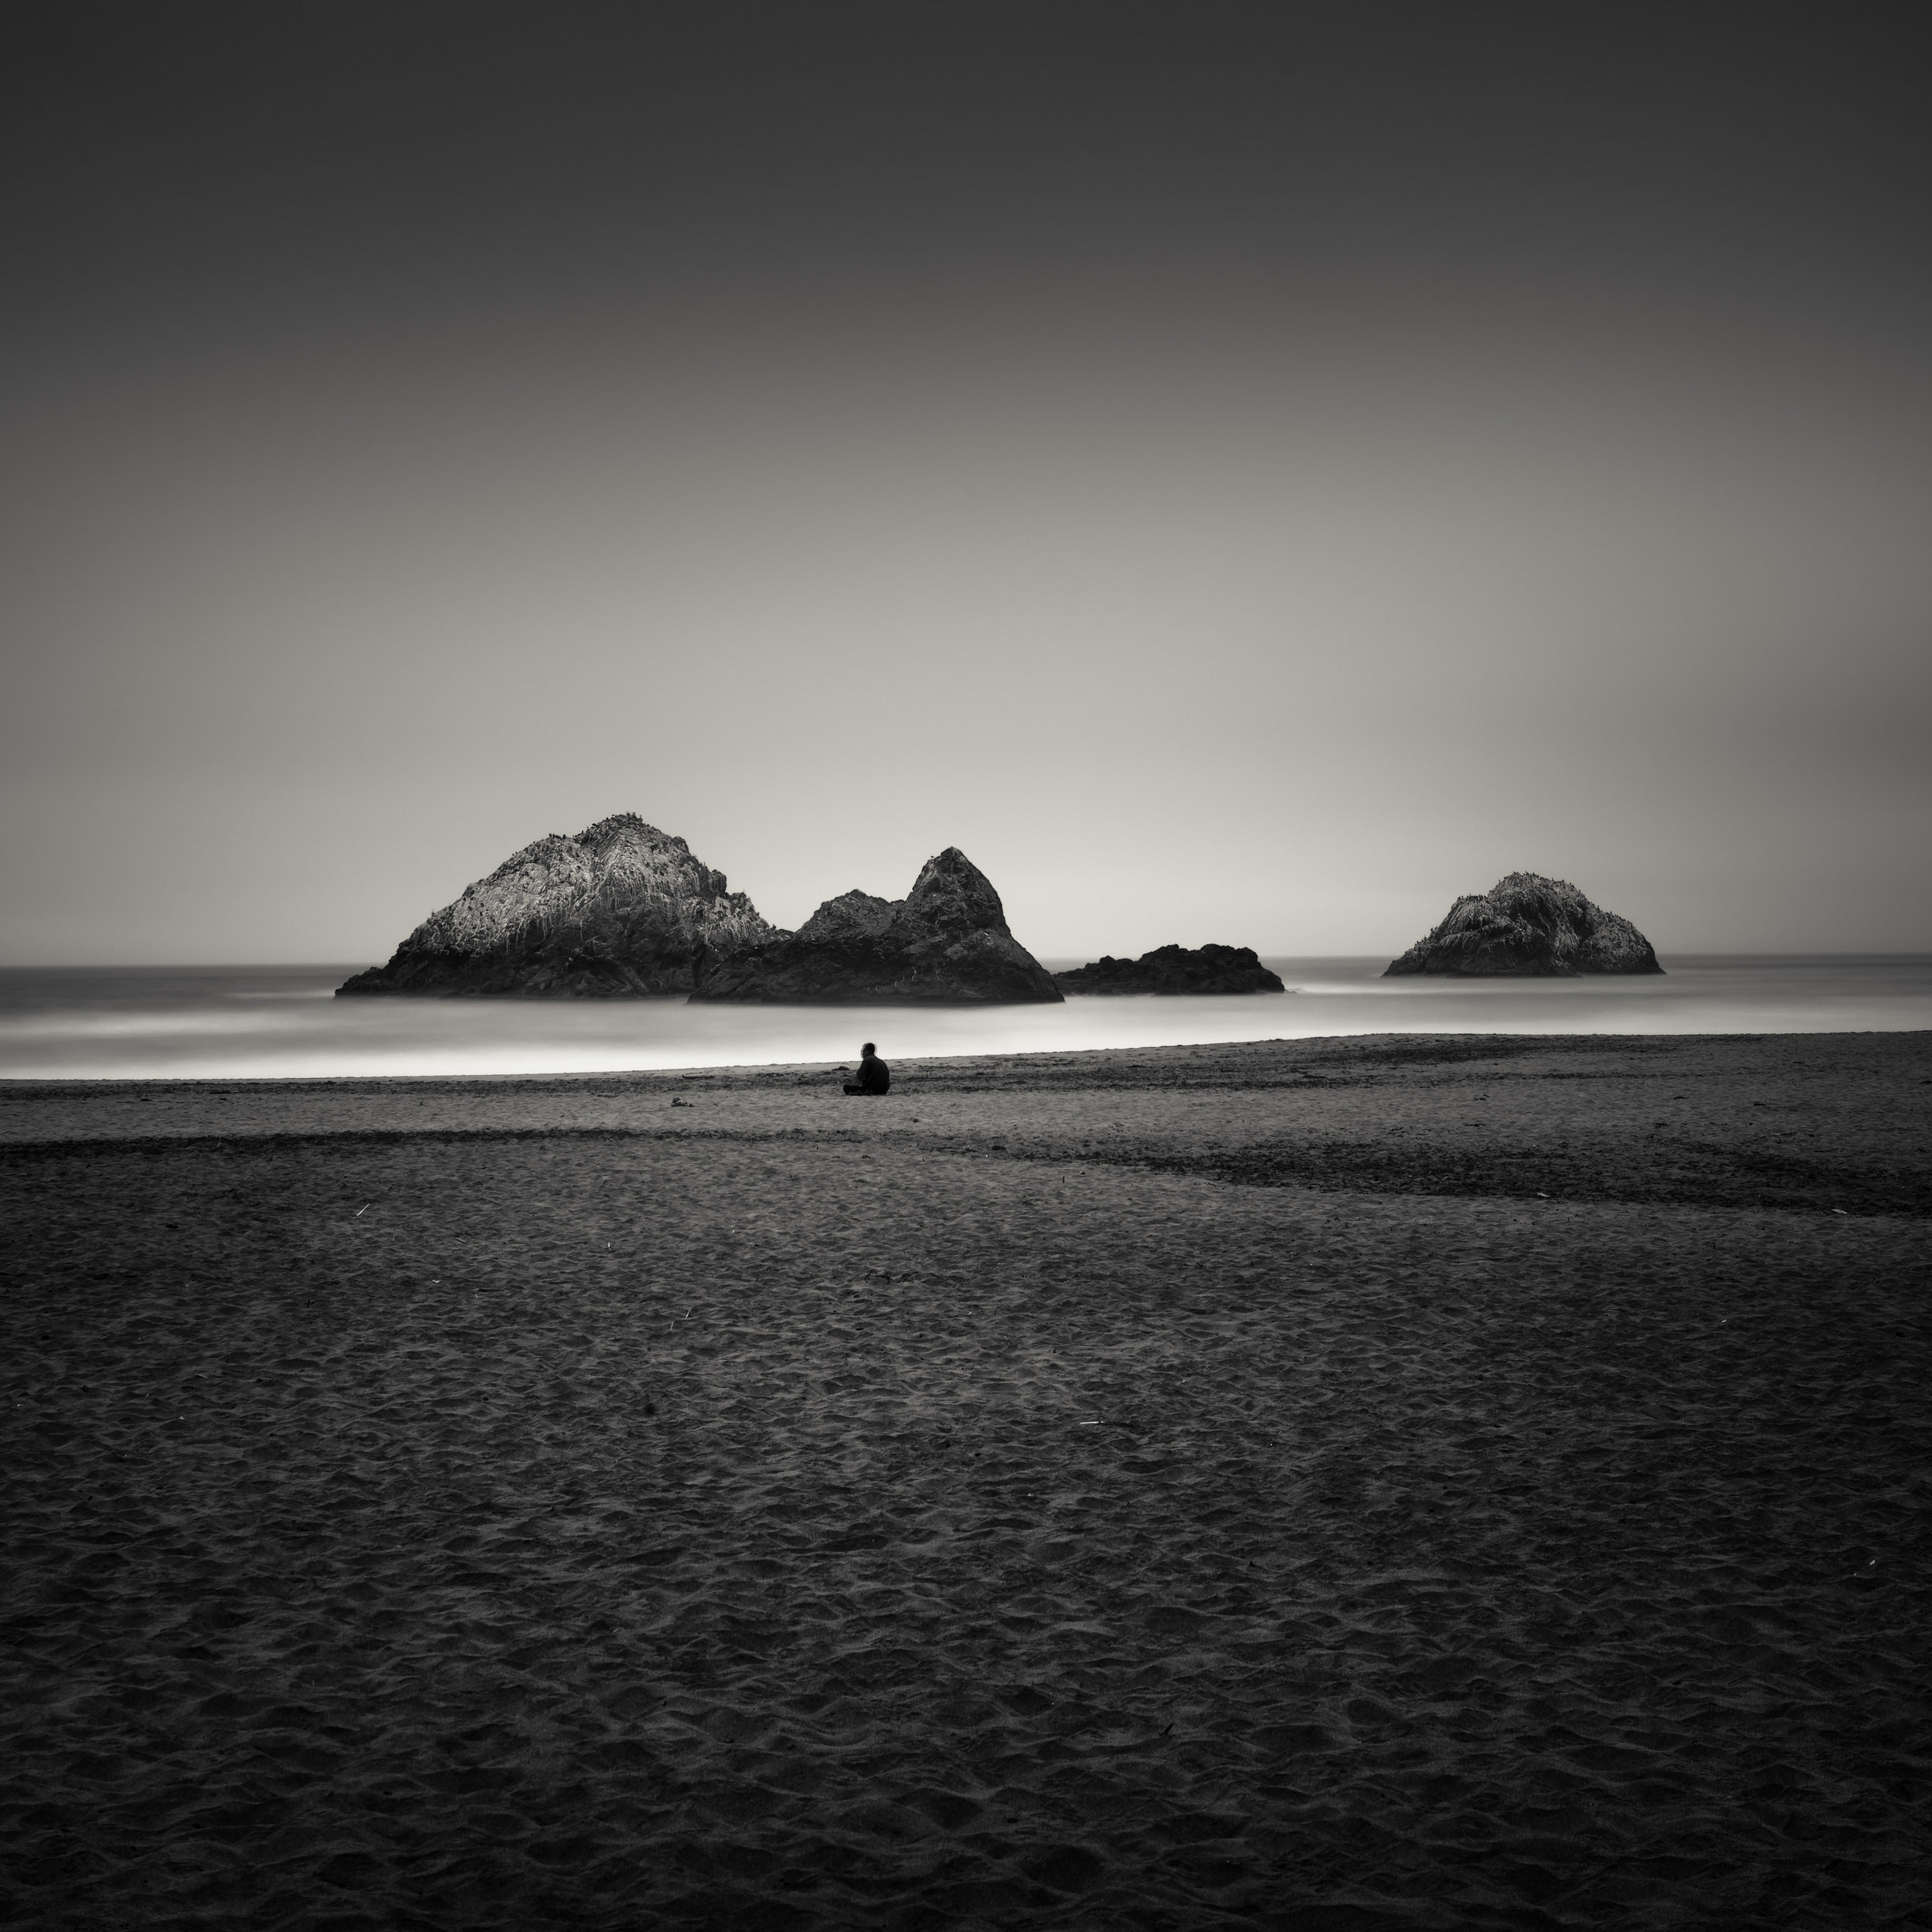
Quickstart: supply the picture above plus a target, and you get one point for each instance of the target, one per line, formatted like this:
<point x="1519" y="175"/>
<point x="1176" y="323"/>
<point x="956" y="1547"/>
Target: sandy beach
<point x="1419" y="1482"/>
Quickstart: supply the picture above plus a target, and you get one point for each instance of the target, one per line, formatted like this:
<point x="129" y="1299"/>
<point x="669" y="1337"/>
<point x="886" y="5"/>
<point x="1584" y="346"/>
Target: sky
<point x="1246" y="474"/>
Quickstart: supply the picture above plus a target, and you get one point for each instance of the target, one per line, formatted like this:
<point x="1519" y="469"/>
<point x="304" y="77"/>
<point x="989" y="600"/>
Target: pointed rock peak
<point x="952" y="893"/>
<point x="1531" y="889"/>
<point x="952" y="863"/>
<point x="626" y="827"/>
<point x="945" y="943"/>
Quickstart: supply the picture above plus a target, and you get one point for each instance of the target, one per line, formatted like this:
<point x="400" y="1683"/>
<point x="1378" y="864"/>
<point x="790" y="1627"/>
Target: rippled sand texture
<point x="783" y="1527"/>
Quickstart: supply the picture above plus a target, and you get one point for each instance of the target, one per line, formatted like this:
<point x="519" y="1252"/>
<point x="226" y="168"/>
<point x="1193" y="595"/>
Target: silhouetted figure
<point x="875" y="1076"/>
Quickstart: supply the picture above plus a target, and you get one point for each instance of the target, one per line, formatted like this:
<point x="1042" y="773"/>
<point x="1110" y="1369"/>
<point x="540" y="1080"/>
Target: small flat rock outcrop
<point x="1530" y="927"/>
<point x="1174" y="969"/>
<point x="946" y="943"/>
<point x="622" y="910"/>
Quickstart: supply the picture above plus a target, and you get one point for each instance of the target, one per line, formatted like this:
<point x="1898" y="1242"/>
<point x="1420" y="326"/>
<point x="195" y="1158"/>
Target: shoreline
<point x="244" y="1026"/>
<point x="1393" y="1042"/>
<point x="1816" y="1121"/>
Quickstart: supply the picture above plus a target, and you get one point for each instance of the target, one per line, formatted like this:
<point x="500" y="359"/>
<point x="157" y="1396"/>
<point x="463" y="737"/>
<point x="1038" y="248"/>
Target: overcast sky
<point x="1246" y="474"/>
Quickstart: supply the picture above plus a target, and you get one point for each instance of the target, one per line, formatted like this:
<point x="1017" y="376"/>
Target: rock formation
<point x="622" y="909"/>
<point x="1529" y="926"/>
<point x="945" y="943"/>
<point x="1174" y="969"/>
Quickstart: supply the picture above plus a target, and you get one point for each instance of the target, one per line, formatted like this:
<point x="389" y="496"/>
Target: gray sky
<point x="1240" y="475"/>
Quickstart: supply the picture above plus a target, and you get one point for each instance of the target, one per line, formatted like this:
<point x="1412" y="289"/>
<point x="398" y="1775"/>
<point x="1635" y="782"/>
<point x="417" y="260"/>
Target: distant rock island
<point x="620" y="910"/>
<point x="1174" y="969"/>
<point x="1530" y="927"/>
<point x="945" y="943"/>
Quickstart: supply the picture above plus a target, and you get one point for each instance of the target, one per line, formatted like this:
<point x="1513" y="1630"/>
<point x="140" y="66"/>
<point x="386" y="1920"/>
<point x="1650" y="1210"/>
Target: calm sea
<point x="280" y="1022"/>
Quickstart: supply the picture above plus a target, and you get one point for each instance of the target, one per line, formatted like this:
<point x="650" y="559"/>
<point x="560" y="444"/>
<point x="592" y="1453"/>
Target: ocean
<point x="281" y="1022"/>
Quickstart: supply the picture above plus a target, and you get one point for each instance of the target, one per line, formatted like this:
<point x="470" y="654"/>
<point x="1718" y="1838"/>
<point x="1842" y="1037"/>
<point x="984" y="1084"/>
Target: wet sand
<point x="1316" y="1484"/>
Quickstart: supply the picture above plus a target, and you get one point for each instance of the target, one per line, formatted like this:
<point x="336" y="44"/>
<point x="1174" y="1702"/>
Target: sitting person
<point x="875" y="1076"/>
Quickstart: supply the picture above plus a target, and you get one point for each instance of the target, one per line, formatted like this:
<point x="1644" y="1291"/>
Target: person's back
<point x="875" y="1076"/>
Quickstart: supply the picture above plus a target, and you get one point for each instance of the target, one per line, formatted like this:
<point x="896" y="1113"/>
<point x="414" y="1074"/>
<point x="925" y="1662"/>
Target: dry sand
<point x="1321" y="1484"/>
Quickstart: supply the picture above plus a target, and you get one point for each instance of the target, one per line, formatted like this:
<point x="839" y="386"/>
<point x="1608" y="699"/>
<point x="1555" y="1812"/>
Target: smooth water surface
<point x="281" y="1022"/>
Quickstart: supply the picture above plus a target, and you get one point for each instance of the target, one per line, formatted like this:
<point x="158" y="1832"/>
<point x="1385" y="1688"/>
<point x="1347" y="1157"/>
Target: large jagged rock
<point x="621" y="911"/>
<point x="1530" y="927"/>
<point x="1174" y="969"/>
<point x="945" y="943"/>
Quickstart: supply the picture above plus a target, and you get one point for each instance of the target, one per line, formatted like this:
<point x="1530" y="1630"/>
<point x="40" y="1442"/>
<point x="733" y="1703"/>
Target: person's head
<point x="867" y="1051"/>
